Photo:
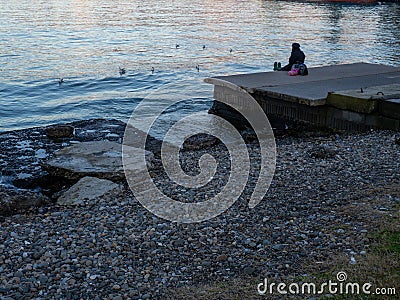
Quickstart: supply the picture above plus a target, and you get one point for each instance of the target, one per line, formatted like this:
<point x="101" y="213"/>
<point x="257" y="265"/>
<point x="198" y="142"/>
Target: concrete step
<point x="363" y="100"/>
<point x="390" y="108"/>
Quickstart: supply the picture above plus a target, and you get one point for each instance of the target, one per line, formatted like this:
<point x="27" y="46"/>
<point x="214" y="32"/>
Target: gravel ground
<point x="113" y="248"/>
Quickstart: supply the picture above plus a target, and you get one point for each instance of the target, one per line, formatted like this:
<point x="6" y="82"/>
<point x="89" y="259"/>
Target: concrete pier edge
<point x="346" y="97"/>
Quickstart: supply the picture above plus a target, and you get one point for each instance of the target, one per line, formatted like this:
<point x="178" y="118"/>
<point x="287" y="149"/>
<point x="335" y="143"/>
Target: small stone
<point x="36" y="255"/>
<point x="221" y="257"/>
<point x="43" y="279"/>
<point x="179" y="243"/>
<point x="88" y="263"/>
<point x="206" y="263"/>
<point x="278" y="247"/>
<point x="249" y="270"/>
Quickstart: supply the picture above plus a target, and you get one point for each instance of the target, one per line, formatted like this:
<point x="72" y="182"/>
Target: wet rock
<point x="87" y="188"/>
<point x="200" y="141"/>
<point x="59" y="131"/>
<point x="249" y="135"/>
<point x="29" y="182"/>
<point x="12" y="200"/>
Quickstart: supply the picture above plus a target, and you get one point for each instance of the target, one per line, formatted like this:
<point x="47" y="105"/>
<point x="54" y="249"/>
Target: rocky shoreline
<point x="23" y="154"/>
<point x="325" y="191"/>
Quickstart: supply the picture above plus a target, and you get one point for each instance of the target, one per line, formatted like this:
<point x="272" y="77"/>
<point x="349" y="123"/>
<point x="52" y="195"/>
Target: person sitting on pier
<point x="297" y="56"/>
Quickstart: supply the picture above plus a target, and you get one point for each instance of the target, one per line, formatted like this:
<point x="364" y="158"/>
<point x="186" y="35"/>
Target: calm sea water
<point x="85" y="42"/>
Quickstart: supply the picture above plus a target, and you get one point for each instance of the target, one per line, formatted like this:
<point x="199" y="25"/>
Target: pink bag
<point x="293" y="72"/>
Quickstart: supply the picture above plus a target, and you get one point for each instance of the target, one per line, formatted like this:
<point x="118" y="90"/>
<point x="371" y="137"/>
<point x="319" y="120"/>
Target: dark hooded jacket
<point x="297" y="56"/>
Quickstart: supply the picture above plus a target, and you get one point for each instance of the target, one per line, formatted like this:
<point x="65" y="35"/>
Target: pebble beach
<point x="327" y="194"/>
<point x="72" y="224"/>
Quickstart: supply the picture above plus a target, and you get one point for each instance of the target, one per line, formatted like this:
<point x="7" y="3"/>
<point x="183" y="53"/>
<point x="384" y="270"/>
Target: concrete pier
<point x="350" y="96"/>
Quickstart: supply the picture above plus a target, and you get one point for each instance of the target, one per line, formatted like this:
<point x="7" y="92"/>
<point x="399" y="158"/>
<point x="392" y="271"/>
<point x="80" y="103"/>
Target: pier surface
<point x="349" y="96"/>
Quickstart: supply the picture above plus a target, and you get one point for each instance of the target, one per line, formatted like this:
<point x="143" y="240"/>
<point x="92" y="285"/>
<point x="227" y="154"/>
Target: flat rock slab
<point x="101" y="159"/>
<point x="87" y="188"/>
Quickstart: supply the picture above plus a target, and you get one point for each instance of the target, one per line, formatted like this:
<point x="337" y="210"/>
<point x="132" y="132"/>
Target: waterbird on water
<point x="152" y="70"/>
<point x="122" y="71"/>
<point x="60" y="80"/>
<point x="198" y="68"/>
<point x="176" y="46"/>
<point x="204" y="47"/>
<point x="230" y="50"/>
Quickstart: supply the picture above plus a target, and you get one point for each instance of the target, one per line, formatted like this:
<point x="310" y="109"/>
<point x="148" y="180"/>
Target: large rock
<point x="59" y="131"/>
<point x="200" y="141"/>
<point x="13" y="200"/>
<point x="101" y="159"/>
<point x="87" y="188"/>
<point x="323" y="151"/>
